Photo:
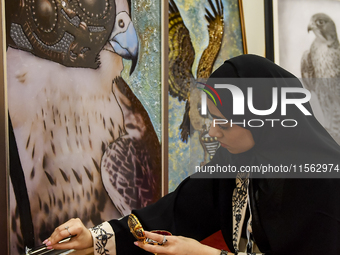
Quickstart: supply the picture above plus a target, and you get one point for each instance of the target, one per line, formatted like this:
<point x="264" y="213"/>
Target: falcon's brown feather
<point x="181" y="55"/>
<point x="215" y="28"/>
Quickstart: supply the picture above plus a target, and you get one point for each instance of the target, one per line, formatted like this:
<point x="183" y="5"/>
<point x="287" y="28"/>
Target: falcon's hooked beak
<point x="311" y="26"/>
<point x="124" y="39"/>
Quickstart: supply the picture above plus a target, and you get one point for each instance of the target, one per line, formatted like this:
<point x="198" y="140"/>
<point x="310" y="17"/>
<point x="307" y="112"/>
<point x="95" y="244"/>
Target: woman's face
<point x="235" y="139"/>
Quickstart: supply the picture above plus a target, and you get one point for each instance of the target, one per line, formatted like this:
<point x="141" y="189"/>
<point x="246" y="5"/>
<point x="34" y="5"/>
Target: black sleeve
<point x="191" y="211"/>
<point x="297" y="216"/>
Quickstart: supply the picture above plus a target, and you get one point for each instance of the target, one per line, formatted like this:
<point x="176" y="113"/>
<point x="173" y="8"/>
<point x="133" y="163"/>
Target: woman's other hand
<point x="81" y="239"/>
<point x="176" y="245"/>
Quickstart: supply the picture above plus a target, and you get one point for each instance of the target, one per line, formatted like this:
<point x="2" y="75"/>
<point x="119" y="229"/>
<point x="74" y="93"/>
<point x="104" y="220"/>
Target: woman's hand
<point x="176" y="245"/>
<point x="81" y="239"/>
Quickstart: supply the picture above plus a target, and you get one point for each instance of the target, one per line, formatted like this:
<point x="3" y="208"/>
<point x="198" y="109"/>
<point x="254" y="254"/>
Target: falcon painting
<point x="85" y="144"/>
<point x="320" y="70"/>
<point x="181" y="58"/>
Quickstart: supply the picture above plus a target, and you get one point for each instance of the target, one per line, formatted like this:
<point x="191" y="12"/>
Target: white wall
<point x="254" y="25"/>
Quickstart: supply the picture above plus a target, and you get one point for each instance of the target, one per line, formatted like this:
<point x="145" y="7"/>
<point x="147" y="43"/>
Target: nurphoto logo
<point x="239" y="104"/>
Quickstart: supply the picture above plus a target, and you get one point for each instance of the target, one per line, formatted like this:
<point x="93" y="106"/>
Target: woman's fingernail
<point x="48" y="243"/>
<point x="136" y="243"/>
<point x="49" y="247"/>
<point x="44" y="242"/>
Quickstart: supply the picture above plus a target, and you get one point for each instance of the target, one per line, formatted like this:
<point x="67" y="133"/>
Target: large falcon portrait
<point x="81" y="142"/>
<point x="320" y="70"/>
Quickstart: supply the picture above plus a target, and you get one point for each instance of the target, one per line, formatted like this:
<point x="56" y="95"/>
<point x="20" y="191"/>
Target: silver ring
<point x="68" y="230"/>
<point x="150" y="241"/>
<point x="164" y="240"/>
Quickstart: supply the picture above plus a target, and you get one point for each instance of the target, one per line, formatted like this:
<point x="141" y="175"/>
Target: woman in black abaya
<point x="278" y="216"/>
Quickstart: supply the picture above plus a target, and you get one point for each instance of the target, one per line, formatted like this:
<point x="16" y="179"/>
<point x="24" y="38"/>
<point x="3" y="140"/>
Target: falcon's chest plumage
<point x="325" y="59"/>
<point x="53" y="123"/>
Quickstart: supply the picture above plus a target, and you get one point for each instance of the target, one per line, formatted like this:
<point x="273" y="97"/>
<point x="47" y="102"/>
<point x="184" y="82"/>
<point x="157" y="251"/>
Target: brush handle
<point x="43" y="247"/>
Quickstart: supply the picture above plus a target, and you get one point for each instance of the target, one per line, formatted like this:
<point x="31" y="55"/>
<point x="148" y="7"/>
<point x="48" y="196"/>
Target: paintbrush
<point x="42" y="249"/>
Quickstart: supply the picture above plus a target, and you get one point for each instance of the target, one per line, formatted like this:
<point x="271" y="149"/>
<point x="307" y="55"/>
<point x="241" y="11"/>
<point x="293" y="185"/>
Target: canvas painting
<point x="307" y="45"/>
<point x="84" y="98"/>
<point x="202" y="35"/>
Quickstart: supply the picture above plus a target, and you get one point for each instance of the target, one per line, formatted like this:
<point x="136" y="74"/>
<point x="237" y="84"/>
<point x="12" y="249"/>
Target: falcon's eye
<point x="121" y="23"/>
<point x="320" y="22"/>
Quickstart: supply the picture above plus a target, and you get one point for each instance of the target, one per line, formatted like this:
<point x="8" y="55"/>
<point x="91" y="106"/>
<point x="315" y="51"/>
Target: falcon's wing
<point x="130" y="166"/>
<point x="216" y="31"/>
<point x="128" y="175"/>
<point x="181" y="55"/>
<point x="307" y="71"/>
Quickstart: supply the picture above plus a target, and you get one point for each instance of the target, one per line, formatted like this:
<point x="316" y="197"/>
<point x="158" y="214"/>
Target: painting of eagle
<point x="202" y="35"/>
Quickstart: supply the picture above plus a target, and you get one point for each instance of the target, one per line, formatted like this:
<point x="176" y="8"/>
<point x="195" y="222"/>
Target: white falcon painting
<point x="320" y="70"/>
<point x="85" y="143"/>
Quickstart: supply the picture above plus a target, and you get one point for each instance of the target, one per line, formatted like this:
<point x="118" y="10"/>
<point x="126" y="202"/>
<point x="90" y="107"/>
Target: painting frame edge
<point x="275" y="22"/>
<point x="243" y="28"/>
<point x="4" y="155"/>
<point x="165" y="96"/>
<point x="269" y="30"/>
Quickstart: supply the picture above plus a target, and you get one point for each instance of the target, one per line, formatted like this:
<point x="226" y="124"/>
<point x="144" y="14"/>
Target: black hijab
<point x="275" y="143"/>
<point x="290" y="215"/>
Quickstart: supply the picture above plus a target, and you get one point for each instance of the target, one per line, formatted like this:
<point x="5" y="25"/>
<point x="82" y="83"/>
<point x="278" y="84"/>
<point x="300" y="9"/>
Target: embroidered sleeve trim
<point x="239" y="202"/>
<point x="104" y="242"/>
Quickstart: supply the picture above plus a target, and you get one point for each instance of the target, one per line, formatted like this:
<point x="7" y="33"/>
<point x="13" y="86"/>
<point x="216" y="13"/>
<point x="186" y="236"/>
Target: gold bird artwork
<point x="181" y="58"/>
